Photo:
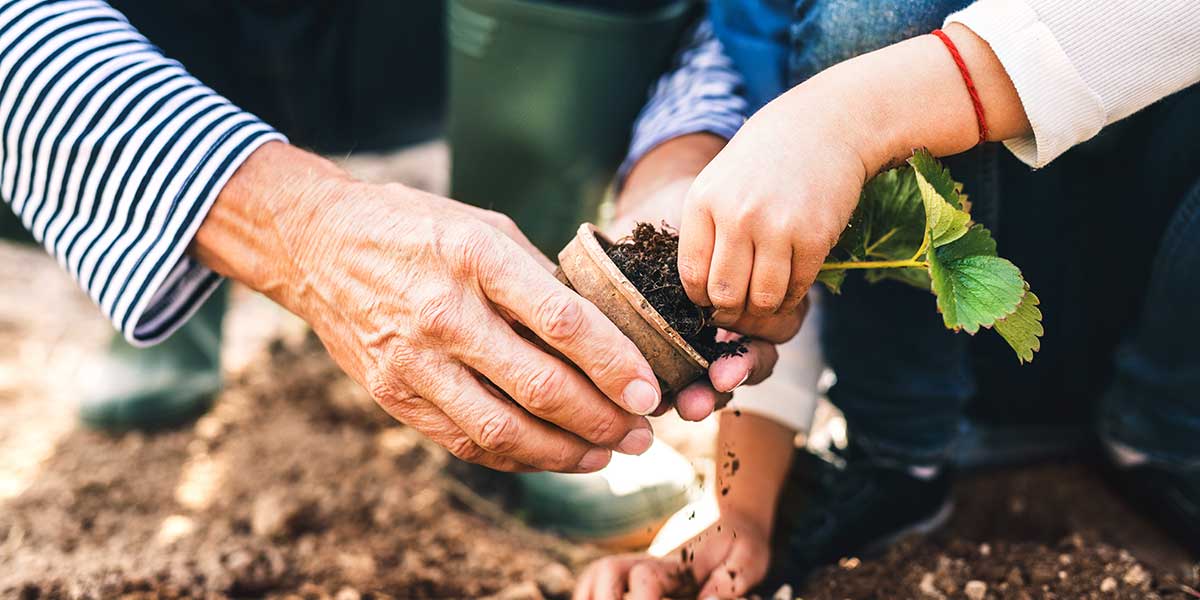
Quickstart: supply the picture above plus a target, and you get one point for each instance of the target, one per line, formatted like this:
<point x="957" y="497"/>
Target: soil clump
<point x="649" y="258"/>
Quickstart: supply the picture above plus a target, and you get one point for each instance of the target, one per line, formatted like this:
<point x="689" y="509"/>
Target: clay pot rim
<point x="589" y="235"/>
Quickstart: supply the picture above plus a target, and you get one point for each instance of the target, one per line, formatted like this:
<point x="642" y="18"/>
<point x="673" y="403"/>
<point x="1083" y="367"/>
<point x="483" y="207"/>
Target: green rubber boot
<point x="620" y="507"/>
<point x="542" y="98"/>
<point x="541" y="102"/>
<point x="166" y="386"/>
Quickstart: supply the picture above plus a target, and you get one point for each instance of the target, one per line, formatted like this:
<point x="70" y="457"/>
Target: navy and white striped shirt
<point x="111" y="155"/>
<point x="701" y="93"/>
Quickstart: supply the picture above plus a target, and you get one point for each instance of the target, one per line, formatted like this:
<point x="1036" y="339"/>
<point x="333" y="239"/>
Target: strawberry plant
<point x="913" y="224"/>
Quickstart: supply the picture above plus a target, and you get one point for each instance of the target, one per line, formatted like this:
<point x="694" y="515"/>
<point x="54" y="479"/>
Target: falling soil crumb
<point x="649" y="258"/>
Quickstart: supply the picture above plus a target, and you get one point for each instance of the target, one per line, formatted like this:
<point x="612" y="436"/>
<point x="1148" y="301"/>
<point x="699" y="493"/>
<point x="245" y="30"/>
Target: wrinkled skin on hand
<point x="430" y="305"/>
<point x="726" y="560"/>
<point x="416" y="297"/>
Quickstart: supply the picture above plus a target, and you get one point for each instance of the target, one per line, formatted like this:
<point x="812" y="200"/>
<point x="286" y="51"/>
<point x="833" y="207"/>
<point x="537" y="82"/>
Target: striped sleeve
<point x="701" y="93"/>
<point x="111" y="155"/>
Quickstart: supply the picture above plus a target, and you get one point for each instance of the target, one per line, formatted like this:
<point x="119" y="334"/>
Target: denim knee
<point x="1153" y="405"/>
<point x="827" y="32"/>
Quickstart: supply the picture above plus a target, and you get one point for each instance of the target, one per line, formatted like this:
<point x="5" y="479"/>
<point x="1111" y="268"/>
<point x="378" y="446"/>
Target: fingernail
<point x="594" y="460"/>
<point x="636" y="441"/>
<point x="722" y="316"/>
<point x="640" y="396"/>
<point x="743" y="380"/>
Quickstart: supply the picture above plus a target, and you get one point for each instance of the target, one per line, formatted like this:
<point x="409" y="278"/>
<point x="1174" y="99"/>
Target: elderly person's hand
<point x="655" y="191"/>
<point x="430" y="305"/>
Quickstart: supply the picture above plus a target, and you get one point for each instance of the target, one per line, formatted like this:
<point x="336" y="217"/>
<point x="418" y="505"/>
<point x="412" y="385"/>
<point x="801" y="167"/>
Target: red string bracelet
<point x="966" y="75"/>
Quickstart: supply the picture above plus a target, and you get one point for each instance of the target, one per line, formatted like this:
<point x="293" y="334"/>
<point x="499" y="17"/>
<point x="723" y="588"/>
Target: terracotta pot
<point x="584" y="266"/>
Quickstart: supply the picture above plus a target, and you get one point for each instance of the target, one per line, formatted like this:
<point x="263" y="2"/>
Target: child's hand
<point x="725" y="561"/>
<point x="761" y="217"/>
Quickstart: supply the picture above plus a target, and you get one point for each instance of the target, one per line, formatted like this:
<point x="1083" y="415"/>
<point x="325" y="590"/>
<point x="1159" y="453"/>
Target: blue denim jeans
<point x="1108" y="235"/>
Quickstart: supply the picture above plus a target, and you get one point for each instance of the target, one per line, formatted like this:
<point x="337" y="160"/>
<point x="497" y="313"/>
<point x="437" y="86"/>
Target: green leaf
<point x="974" y="287"/>
<point x="913" y="225"/>
<point x="832" y="279"/>
<point x="889" y="222"/>
<point x="945" y="217"/>
<point x="937" y="176"/>
<point x="1023" y="328"/>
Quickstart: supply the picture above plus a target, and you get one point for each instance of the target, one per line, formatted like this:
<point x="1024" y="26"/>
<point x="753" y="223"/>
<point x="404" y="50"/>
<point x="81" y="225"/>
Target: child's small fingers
<point x="695" y="251"/>
<point x="605" y="579"/>
<point x="748" y="368"/>
<point x="742" y="569"/>
<point x="731" y="579"/>
<point x="777" y="328"/>
<point x="729" y="274"/>
<point x="769" y="277"/>
<point x="650" y="581"/>
<point x="805" y="265"/>
<point x="583" y="586"/>
<point x="719" y="585"/>
<point x="698" y="400"/>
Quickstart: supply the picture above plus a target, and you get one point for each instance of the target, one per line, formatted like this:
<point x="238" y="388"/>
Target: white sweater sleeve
<point x="789" y="396"/>
<point x="1079" y="66"/>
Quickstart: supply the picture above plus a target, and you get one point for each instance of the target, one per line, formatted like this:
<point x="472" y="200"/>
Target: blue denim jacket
<point x="777" y="44"/>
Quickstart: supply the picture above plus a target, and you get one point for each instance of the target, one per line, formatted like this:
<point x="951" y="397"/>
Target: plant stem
<point x="875" y="264"/>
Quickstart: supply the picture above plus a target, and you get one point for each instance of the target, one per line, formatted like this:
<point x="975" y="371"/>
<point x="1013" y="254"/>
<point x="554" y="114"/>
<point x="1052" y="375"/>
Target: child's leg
<point x="1153" y="406"/>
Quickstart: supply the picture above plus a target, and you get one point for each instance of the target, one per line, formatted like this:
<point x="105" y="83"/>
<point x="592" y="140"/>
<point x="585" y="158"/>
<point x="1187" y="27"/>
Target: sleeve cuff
<point x="1062" y="109"/>
<point x="177" y="285"/>
<point x="701" y="94"/>
<point x="724" y="125"/>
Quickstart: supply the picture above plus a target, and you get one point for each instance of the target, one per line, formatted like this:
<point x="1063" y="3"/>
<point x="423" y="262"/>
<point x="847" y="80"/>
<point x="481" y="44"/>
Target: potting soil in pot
<point x="649" y="258"/>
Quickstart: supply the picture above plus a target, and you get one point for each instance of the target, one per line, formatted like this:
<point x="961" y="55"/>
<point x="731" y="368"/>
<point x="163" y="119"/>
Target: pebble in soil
<point x="649" y="258"/>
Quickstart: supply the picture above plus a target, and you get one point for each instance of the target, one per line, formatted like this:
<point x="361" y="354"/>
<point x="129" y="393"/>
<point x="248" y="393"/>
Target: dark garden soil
<point x="1052" y="531"/>
<point x="649" y="258"/>
<point x="298" y="486"/>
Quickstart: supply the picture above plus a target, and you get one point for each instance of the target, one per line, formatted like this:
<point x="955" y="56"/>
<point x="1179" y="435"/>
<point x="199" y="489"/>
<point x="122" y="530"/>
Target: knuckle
<point x="722" y="295"/>
<point x="501" y="221"/>
<point x="498" y="434"/>
<point x="542" y="391"/>
<point x="389" y="393"/>
<point x="464" y="449"/>
<point x="606" y="429"/>
<point x="439" y="316"/>
<point x="690" y="273"/>
<point x="701" y="190"/>
<point x="764" y="303"/>
<point x="611" y="364"/>
<point x="560" y="317"/>
<point x="476" y="244"/>
<point x="749" y="215"/>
